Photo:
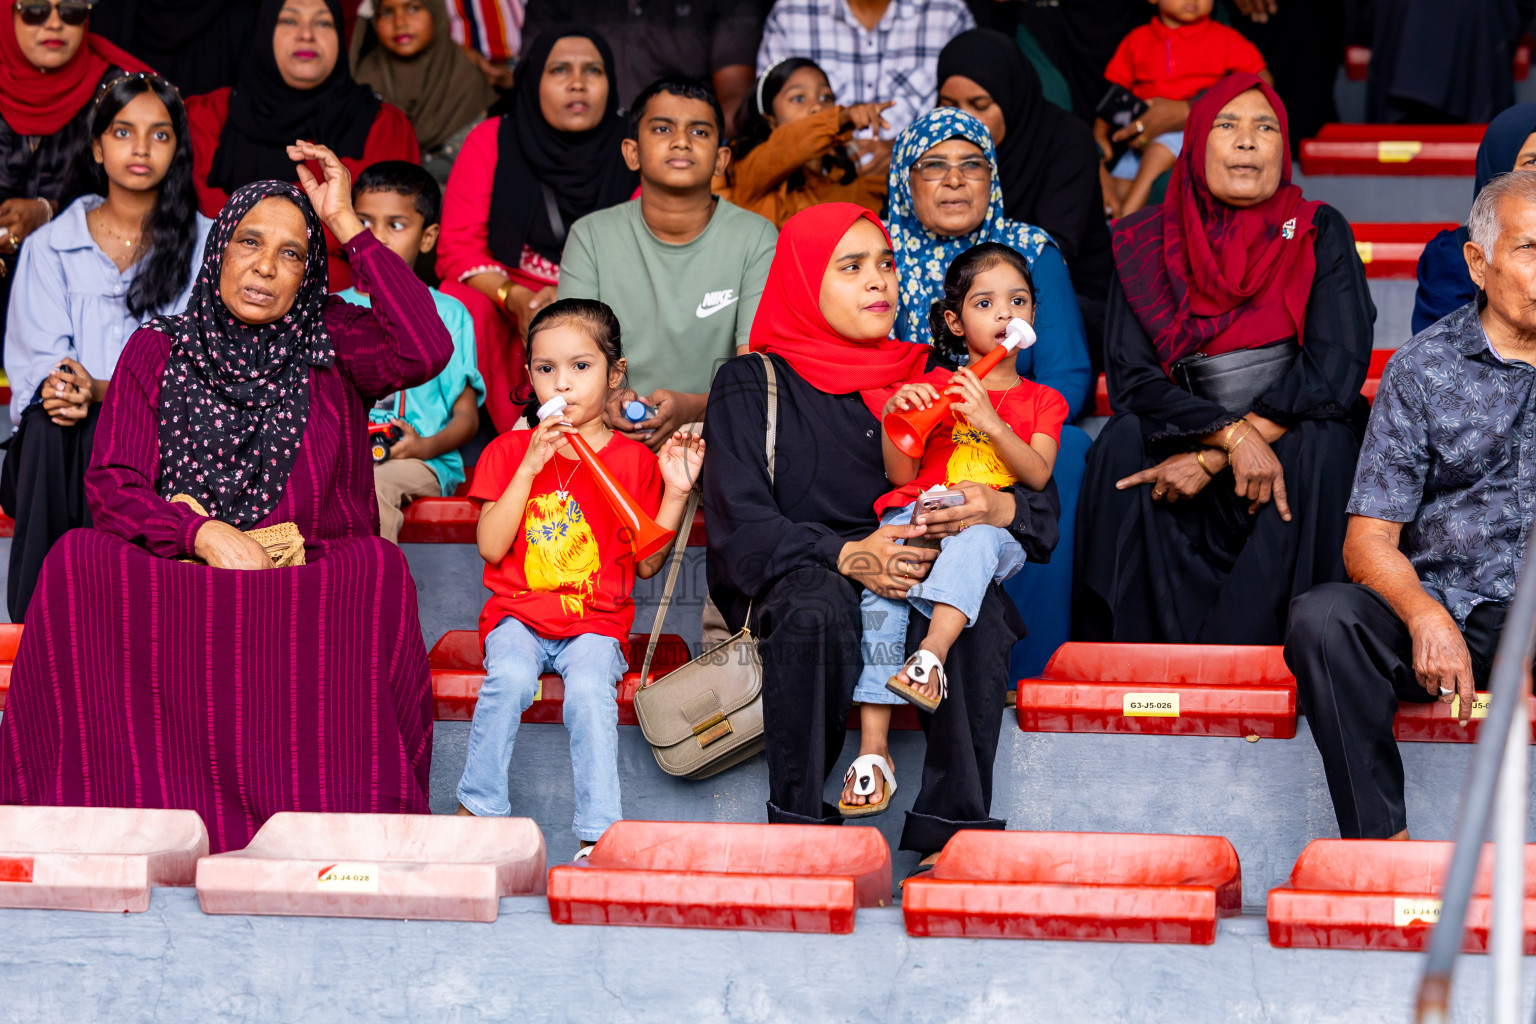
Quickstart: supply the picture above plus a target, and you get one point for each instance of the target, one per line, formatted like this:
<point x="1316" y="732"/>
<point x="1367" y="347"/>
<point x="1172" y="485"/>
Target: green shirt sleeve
<point x="578" y="266"/>
<point x="753" y="281"/>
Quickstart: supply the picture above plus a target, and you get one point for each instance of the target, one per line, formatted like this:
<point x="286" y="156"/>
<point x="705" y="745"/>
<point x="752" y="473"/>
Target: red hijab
<point x="37" y="102"/>
<point x="1202" y="276"/>
<point x="789" y="322"/>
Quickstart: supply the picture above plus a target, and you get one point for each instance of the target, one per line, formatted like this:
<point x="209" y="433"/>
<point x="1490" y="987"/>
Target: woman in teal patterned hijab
<point x="945" y="198"/>
<point x="955" y="211"/>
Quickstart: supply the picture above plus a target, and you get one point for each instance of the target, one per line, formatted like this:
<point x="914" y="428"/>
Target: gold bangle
<point x="503" y="290"/>
<point x="1233" y="447"/>
<point x="1200" y="458"/>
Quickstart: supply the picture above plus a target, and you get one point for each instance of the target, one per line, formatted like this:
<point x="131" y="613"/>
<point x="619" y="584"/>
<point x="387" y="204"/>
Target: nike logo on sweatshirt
<point x="714" y="302"/>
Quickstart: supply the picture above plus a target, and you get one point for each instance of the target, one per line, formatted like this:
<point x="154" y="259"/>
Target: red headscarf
<point x="1202" y="276"/>
<point x="37" y="102"/>
<point x="789" y="322"/>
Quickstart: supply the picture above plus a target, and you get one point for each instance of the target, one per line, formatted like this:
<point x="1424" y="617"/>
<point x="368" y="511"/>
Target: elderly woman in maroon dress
<point x="231" y="687"/>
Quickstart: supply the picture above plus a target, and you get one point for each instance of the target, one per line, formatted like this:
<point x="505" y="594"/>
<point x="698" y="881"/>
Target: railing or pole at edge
<point x="1509" y="686"/>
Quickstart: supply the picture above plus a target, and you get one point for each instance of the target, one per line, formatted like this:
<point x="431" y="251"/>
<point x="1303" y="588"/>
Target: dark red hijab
<point x="789" y="322"/>
<point x="1202" y="276"/>
<point x="37" y="102"/>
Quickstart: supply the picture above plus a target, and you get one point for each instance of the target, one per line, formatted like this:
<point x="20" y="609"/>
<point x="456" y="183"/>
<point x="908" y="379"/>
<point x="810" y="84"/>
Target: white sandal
<point x="922" y="667"/>
<point x="862" y="771"/>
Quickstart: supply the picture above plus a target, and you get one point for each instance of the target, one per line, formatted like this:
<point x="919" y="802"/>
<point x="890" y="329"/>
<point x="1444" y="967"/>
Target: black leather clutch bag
<point x="1235" y="380"/>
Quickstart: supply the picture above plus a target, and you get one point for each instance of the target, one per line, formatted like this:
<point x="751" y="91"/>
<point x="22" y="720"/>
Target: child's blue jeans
<point x="968" y="562"/>
<point x="590" y="665"/>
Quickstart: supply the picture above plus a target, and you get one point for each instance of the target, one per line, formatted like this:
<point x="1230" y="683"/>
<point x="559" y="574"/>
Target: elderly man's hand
<point x="1440" y="658"/>
<point x="224" y="547"/>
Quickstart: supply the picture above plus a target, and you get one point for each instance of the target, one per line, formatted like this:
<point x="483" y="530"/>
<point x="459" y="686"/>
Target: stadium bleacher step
<point x="1382" y="894"/>
<point x="749" y="877"/>
<point x="1161" y="688"/>
<point x="1391" y="251"/>
<point x="457" y="661"/>
<point x="407" y="866"/>
<point x="1419" y="150"/>
<point x="103" y="859"/>
<point x="1100" y="887"/>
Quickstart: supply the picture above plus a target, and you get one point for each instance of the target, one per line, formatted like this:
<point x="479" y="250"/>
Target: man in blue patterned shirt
<point x="1443" y="495"/>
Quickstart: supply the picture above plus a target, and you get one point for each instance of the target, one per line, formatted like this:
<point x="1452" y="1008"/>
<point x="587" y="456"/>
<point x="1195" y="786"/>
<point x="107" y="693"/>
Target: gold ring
<point x="1141" y="129"/>
<point x="14" y="242"/>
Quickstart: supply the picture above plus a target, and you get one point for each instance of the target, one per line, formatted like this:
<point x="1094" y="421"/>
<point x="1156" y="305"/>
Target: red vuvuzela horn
<point x="909" y="430"/>
<point x="646" y="536"/>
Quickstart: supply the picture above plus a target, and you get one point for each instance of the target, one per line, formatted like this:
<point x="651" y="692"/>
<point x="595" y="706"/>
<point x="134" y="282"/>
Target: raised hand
<point x="680" y="460"/>
<point x="331" y="195"/>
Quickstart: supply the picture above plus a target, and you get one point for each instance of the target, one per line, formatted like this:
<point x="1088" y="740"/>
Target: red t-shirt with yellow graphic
<point x="569" y="570"/>
<point x="957" y="452"/>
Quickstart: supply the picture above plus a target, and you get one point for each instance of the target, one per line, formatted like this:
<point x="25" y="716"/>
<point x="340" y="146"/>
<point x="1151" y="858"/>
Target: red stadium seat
<point x="432" y="867"/>
<point x="7" y="526"/>
<point x="778" y="878"/>
<point x="453" y="521"/>
<point x="1438" y="723"/>
<point x="1381" y="894"/>
<point x="1391" y="251"/>
<point x="1076" y="885"/>
<point x="1190" y="690"/>
<point x="457" y="664"/>
<point x="95" y="858"/>
<point x="10" y="640"/>
<point x="1357" y="60"/>
<point x="1393" y="149"/>
<point x="1379" y="359"/>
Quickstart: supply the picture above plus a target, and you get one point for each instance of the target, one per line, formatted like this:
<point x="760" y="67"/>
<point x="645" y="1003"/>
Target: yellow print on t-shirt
<point x="562" y="553"/>
<point x="975" y="459"/>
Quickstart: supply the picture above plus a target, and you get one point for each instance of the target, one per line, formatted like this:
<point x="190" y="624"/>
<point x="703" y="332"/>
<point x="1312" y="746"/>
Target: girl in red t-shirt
<point x="559" y="565"/>
<point x="1006" y="430"/>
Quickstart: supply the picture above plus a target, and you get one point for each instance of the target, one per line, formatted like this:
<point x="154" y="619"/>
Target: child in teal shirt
<point x="400" y="203"/>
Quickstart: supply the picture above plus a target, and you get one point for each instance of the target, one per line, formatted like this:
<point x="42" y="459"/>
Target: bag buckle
<point x="715" y="727"/>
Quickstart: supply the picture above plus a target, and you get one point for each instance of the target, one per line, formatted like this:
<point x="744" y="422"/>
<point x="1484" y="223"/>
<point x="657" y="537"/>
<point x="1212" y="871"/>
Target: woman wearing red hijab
<point x="1237" y="338"/>
<point x="796" y="547"/>
<point x="50" y="68"/>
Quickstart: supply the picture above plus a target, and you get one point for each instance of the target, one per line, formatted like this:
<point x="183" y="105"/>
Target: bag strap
<point x="552" y="211"/>
<point x="675" y="563"/>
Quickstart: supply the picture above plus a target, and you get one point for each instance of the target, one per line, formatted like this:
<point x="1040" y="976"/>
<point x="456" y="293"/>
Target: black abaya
<point x="1205" y="571"/>
<point x="776" y="546"/>
<point x="1434" y="61"/>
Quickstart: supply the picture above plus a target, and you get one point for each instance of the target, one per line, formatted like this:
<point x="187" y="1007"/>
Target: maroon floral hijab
<point x="1202" y="276"/>
<point x="234" y="398"/>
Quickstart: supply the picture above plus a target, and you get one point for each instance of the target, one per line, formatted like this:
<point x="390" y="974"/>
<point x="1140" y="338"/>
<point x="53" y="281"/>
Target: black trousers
<point x="42" y="487"/>
<point x="808" y="627"/>
<point x="1353" y="661"/>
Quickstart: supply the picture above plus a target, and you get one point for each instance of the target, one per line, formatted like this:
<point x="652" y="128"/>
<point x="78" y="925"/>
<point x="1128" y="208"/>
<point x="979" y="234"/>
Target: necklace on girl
<point x="564" y="493"/>
<point x="101" y="222"/>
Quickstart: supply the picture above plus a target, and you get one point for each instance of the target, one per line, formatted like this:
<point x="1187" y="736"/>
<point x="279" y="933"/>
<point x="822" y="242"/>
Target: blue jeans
<point x="968" y="562"/>
<point x="590" y="665"/>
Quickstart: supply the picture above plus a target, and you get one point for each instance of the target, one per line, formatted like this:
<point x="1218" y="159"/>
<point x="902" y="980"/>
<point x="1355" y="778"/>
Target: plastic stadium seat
<point x="10" y="640"/>
<point x="1100" y="887"/>
<point x="1394" y="149"/>
<point x="1438" y="723"/>
<point x="1393" y="250"/>
<point x="453" y="521"/>
<point x="433" y="867"/>
<point x="457" y="664"/>
<point x="1161" y="688"/>
<point x="95" y="858"/>
<point x="7" y="526"/>
<point x="1381" y="894"/>
<point x="1379" y="359"/>
<point x="777" y="878"/>
<point x="1357" y="61"/>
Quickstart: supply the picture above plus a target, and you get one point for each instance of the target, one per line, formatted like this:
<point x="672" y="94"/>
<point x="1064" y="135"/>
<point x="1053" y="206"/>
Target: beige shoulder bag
<point x="707" y="715"/>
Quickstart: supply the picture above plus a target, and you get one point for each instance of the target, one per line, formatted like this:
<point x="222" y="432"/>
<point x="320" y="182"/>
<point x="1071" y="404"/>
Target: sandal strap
<point x="930" y="664"/>
<point x="871" y="762"/>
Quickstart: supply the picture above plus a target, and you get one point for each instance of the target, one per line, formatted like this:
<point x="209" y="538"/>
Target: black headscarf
<point x="197" y="45"/>
<point x="584" y="170"/>
<point x="266" y="115"/>
<point x="234" y="399"/>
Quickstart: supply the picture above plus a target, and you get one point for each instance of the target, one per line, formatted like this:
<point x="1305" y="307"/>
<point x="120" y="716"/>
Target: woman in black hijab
<point x="296" y="85"/>
<point x="1047" y="160"/>
<point x="196" y="45"/>
<point x="519" y="184"/>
